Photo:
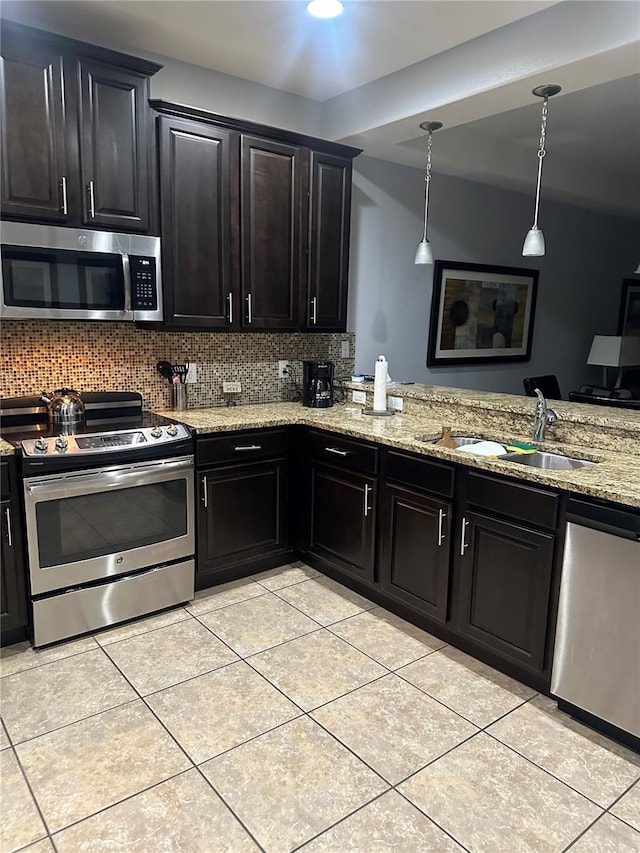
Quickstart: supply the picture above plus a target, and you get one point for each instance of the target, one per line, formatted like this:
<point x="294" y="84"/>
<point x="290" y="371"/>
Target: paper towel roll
<point x="380" y="385"/>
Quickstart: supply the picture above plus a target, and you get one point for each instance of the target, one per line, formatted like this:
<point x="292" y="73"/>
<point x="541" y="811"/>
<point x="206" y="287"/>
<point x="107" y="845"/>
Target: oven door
<point x="90" y="525"/>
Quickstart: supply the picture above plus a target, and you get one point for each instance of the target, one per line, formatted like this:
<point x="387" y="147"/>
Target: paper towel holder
<point x="383" y="414"/>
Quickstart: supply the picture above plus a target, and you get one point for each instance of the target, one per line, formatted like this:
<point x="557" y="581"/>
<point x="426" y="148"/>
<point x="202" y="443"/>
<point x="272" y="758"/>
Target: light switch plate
<point x="359" y="397"/>
<point x="282" y="369"/>
<point x="344" y="349"/>
<point x="231" y="387"/>
<point x="396" y="403"/>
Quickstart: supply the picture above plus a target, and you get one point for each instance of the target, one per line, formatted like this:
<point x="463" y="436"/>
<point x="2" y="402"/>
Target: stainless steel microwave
<point x="56" y="273"/>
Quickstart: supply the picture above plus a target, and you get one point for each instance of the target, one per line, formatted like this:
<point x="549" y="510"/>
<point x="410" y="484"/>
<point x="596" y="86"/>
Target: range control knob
<point x="172" y="429"/>
<point x="61" y="444"/>
<point x="156" y="432"/>
<point x="40" y="445"/>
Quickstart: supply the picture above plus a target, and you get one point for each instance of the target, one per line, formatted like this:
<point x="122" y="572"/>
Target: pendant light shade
<point x="424" y="253"/>
<point x="534" y="241"/>
<point x="637" y="271"/>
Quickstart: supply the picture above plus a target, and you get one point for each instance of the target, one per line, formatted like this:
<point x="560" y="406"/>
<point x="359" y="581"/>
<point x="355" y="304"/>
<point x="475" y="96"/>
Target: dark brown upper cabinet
<point x="75" y="131"/>
<point x="255" y="224"/>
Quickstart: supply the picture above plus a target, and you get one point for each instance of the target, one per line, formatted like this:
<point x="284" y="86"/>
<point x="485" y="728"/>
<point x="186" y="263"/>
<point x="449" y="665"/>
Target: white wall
<point x="580" y="281"/>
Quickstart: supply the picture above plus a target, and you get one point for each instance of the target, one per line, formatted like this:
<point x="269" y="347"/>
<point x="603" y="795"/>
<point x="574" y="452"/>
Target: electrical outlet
<point x="282" y="369"/>
<point x="192" y="374"/>
<point x="344" y="349"/>
<point x="396" y="403"/>
<point x="359" y="397"/>
<point x="231" y="387"/>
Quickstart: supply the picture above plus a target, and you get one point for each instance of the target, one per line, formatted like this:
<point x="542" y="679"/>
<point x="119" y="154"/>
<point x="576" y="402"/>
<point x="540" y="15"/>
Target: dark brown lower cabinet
<point x="13" y="596"/>
<point x="342" y="517"/>
<point x="505" y="571"/>
<point x="415" y="550"/>
<point x="242" y="516"/>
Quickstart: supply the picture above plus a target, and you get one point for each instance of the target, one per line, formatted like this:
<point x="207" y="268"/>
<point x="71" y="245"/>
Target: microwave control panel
<point x="144" y="290"/>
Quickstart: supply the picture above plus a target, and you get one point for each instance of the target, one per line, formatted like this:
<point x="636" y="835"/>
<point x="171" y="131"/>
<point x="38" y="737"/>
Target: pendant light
<point x="424" y="255"/>
<point x="534" y="241"/>
<point x="637" y="271"/>
<point x="325" y="8"/>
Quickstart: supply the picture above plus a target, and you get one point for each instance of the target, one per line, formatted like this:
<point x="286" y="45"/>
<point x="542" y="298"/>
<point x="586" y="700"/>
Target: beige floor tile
<point x="628" y="807"/>
<point x="4" y="738"/>
<point x="608" y="835"/>
<point x="21" y="823"/>
<point x="386" y="637"/>
<point x="467" y="686"/>
<point x="92" y="764"/>
<point x="22" y="656"/>
<point x="316" y="668"/>
<point x="43" y="846"/>
<point x="324" y="600"/>
<point x="591" y="763"/>
<point x="292" y="783"/>
<point x="182" y="814"/>
<point x="141" y="626"/>
<point x="492" y="800"/>
<point x="39" y="700"/>
<point x="258" y="623"/>
<point x="285" y="576"/>
<point x="223" y="594"/>
<point x="169" y="655"/>
<point x="393" y="726"/>
<point x="222" y="709"/>
<point x="387" y="825"/>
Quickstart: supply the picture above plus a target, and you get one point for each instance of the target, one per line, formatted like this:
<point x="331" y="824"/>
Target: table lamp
<point x="614" y="351"/>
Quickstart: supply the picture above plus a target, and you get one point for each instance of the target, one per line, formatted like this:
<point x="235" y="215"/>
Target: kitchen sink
<point x="546" y="460"/>
<point x="459" y="439"/>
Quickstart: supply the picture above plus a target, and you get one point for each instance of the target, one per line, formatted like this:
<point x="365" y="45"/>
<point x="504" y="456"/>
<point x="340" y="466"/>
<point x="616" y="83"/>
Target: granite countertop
<point x="616" y="477"/>
<point x="6" y="449"/>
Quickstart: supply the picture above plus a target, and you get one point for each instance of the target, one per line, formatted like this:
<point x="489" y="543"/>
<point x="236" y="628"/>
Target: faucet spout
<point x="544" y="417"/>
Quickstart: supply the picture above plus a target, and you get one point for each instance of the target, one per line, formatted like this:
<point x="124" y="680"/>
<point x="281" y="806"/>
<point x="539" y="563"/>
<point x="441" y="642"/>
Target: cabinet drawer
<point x="425" y="474"/>
<point x="242" y="446"/>
<point x="5" y="482"/>
<point x="343" y="452"/>
<point x="513" y="500"/>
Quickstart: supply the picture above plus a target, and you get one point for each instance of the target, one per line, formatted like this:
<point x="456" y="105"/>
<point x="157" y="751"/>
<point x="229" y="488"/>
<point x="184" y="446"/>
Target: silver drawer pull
<point x="7" y="515"/>
<point x="230" y="301"/>
<point x="367" y="490"/>
<point x="63" y="190"/>
<point x="463" y="533"/>
<point x="204" y="492"/>
<point x="337" y="451"/>
<point x="92" y="200"/>
<point x="248" y="447"/>
<point x="249" y="309"/>
<point x="314" y="310"/>
<point x="441" y="536"/>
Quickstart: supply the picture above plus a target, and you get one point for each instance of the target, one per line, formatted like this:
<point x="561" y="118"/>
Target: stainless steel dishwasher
<point x="596" y="663"/>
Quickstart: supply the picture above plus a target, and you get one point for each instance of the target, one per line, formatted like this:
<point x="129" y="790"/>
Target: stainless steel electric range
<point x="109" y="513"/>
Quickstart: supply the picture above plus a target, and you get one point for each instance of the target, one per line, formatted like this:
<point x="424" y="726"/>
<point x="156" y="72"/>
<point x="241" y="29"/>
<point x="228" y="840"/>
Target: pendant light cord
<point x="541" y="154"/>
<point x="427" y="181"/>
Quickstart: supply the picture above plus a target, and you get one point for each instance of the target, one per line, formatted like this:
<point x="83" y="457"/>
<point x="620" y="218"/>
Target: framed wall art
<point x="481" y="314"/>
<point x="629" y="318"/>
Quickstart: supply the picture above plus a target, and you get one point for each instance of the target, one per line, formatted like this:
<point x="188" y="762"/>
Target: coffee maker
<point x="317" y="384"/>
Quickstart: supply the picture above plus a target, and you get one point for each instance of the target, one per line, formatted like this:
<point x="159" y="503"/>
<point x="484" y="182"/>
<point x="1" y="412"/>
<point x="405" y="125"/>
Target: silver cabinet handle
<point x="249" y="309"/>
<point x="441" y="517"/>
<point x="204" y="493"/>
<point x="7" y="515"/>
<point x="230" y="301"/>
<point x="463" y="534"/>
<point x="92" y="200"/>
<point x="63" y="192"/>
<point x="248" y="447"/>
<point x="314" y="310"/>
<point x="367" y="490"/>
<point x="337" y="452"/>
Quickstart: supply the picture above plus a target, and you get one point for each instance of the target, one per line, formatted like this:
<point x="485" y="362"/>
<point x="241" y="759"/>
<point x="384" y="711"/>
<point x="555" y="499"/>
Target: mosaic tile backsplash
<point x="50" y="354"/>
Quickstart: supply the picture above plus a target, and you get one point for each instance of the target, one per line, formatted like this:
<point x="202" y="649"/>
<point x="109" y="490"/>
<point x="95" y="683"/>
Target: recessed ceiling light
<point x="325" y="8"/>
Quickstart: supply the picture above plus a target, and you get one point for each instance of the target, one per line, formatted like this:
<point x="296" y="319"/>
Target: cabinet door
<point x="342" y="519"/>
<point x="505" y="577"/>
<point x="35" y="179"/>
<point x="195" y="204"/>
<point x="114" y="139"/>
<point x="13" y="615"/>
<point x="242" y="514"/>
<point x="328" y="258"/>
<point x="271" y="210"/>
<point x="415" y="550"/>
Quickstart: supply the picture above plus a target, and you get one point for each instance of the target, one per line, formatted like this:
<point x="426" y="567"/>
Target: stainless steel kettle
<point x="66" y="410"/>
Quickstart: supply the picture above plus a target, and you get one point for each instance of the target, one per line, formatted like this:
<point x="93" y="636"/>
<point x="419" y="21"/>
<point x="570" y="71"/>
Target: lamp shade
<point x="424" y="253"/>
<point x="614" y="351"/>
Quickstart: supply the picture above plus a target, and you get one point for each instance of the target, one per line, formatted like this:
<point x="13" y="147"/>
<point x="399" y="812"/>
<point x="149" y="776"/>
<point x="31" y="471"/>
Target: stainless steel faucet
<point x="544" y="416"/>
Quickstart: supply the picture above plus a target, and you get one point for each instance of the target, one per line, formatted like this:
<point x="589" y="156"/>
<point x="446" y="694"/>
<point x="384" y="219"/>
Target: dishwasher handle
<point x="615" y="521"/>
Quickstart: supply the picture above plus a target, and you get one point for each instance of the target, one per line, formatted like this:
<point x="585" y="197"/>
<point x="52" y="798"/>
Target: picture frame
<point x="629" y="316"/>
<point x="481" y="314"/>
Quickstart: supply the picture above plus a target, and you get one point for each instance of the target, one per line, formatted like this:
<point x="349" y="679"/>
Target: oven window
<point x="41" y="278"/>
<point x="96" y="525"/>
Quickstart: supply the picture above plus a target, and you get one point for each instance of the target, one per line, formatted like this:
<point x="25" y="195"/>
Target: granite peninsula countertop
<point x="615" y="477"/>
<point x="6" y="449"/>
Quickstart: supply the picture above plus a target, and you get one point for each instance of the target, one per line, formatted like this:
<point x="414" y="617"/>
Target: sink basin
<point x="459" y="439"/>
<point x="546" y="460"/>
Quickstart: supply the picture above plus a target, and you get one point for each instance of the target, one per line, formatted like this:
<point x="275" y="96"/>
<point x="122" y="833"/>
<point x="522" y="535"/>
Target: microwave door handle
<point x="126" y="277"/>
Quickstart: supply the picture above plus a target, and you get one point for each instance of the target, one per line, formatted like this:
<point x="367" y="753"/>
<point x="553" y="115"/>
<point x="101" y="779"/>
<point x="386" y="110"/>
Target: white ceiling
<point x="385" y="65"/>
